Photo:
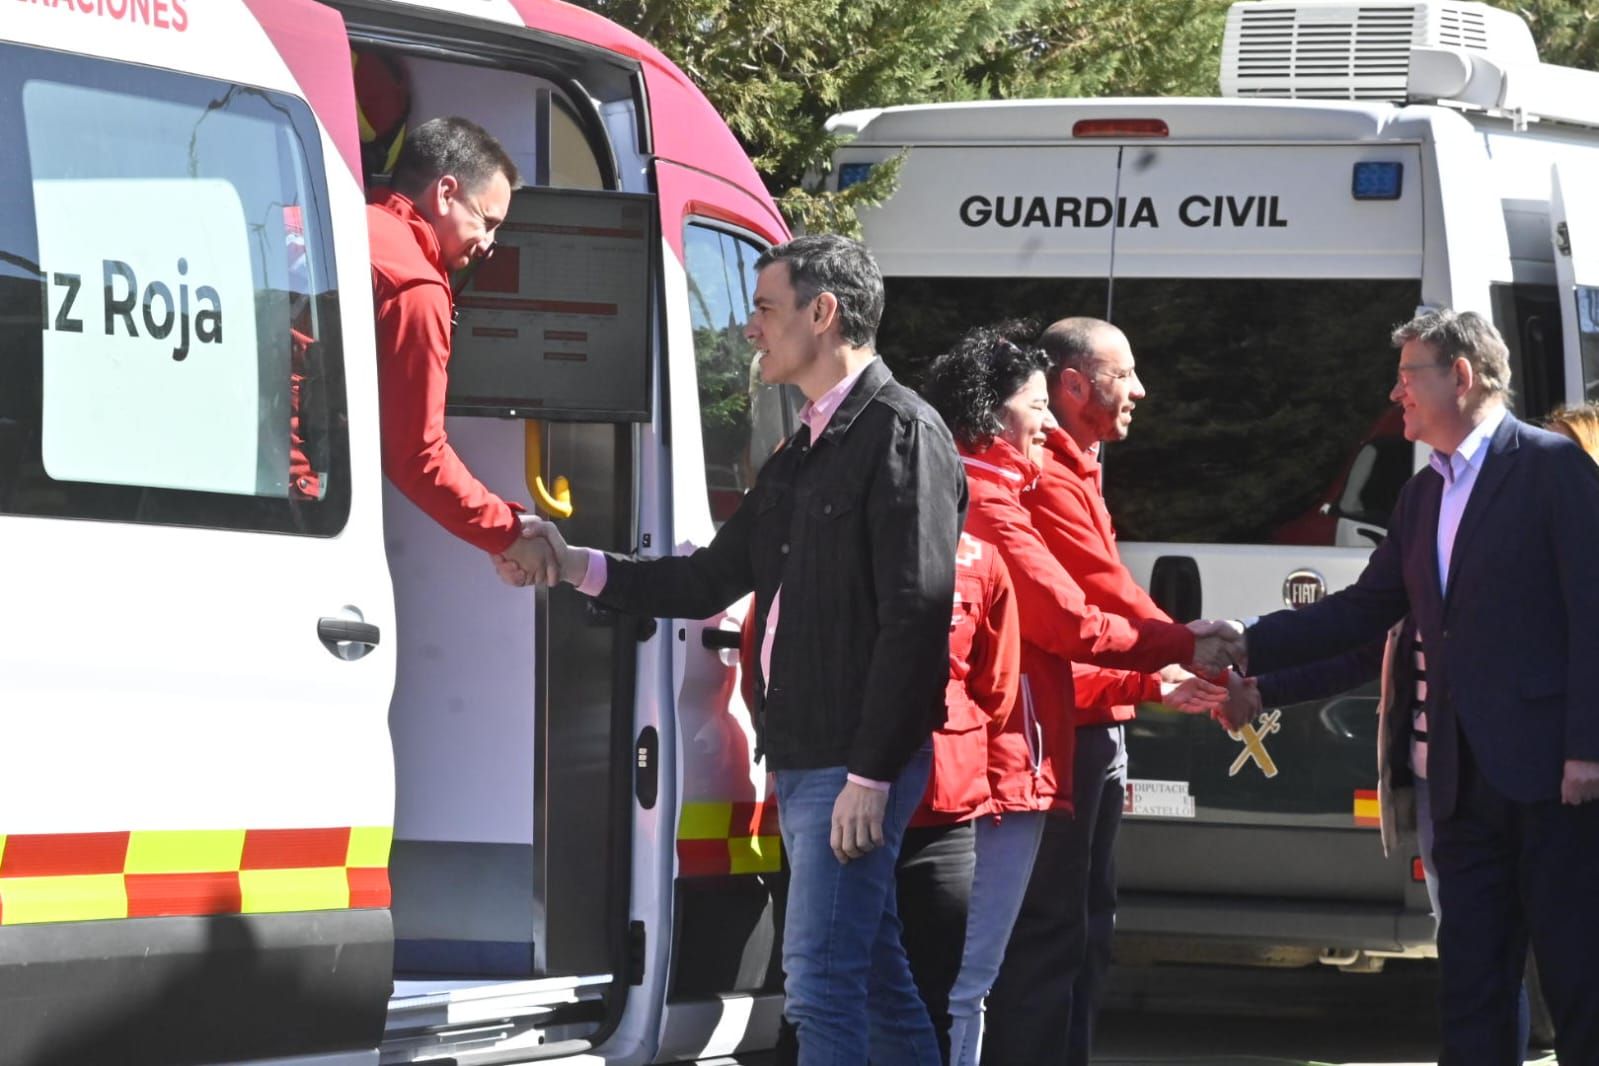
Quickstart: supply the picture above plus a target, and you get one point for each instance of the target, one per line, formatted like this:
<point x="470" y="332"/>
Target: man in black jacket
<point x="848" y="542"/>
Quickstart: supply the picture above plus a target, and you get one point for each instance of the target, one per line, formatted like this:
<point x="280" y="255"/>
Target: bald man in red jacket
<point x="1043" y="1004"/>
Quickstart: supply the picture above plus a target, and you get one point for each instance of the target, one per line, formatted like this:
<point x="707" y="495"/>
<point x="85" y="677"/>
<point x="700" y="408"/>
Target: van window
<point x="169" y="340"/>
<point x="1587" y="297"/>
<point x="1528" y="317"/>
<point x="742" y="420"/>
<point x="1263" y="394"/>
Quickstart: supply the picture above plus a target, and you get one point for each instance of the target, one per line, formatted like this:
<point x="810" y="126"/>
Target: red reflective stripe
<point x="703" y="858"/>
<point x="754" y="818"/>
<point x="369" y="886"/>
<point x="287" y="849"/>
<point x="156" y="895"/>
<point x="64" y="854"/>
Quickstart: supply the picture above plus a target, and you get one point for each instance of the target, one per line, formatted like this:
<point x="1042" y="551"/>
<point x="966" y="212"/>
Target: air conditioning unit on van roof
<point x="1335" y="50"/>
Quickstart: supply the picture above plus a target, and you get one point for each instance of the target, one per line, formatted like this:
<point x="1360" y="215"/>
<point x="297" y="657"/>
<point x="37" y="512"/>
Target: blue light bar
<point x="1378" y="181"/>
<point x="852" y="174"/>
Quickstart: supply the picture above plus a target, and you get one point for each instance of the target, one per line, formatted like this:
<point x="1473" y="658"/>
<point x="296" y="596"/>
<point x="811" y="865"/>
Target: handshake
<point x="540" y="557"/>
<point x="1213" y="682"/>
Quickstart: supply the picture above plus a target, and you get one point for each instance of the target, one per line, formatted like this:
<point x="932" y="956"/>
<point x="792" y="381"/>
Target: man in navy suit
<point x="1494" y="550"/>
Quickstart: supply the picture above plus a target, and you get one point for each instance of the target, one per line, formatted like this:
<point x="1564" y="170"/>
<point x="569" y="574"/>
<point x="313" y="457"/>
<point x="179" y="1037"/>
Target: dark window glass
<point x="1587" y="297"/>
<point x="923" y="317"/>
<point x="1267" y="408"/>
<point x="1528" y="317"/>
<point x="169" y="335"/>
<point x="742" y="420"/>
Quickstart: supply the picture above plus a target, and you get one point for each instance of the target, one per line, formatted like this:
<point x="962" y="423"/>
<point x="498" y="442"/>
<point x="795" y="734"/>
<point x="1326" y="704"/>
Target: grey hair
<point x="1070" y="343"/>
<point x="1462" y="335"/>
<point x="455" y="146"/>
<point x="825" y="262"/>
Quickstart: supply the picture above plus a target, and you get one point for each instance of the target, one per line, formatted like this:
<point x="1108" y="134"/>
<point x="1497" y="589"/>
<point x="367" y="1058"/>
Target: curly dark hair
<point x="969" y="384"/>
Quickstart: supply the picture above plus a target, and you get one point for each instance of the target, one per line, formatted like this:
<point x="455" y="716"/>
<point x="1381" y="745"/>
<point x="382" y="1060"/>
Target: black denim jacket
<point x="859" y="529"/>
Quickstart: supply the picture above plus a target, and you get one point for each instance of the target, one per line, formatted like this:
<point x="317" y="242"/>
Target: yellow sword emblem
<point x="1254" y="737"/>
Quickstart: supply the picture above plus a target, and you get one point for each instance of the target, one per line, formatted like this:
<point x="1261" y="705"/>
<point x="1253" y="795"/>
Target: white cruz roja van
<point x="285" y="772"/>
<point x="1257" y="248"/>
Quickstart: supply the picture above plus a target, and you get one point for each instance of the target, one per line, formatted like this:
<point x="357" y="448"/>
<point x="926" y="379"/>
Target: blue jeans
<point x="1005" y="853"/>
<point x="847" y="985"/>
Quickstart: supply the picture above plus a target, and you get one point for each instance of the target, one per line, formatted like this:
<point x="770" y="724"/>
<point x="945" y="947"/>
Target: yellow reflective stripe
<point x="2" y="847"/>
<point x="705" y="821"/>
<point x="369" y="846"/>
<point x="754" y="855"/>
<point x="184" y="851"/>
<point x="78" y="898"/>
<point x="273" y="891"/>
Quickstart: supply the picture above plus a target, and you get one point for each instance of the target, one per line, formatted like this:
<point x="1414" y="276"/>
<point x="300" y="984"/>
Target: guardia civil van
<point x="285" y="773"/>
<point x="1257" y="247"/>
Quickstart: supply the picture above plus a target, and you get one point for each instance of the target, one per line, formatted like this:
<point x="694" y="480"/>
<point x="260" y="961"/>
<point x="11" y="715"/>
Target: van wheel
<point x="1541" y="1033"/>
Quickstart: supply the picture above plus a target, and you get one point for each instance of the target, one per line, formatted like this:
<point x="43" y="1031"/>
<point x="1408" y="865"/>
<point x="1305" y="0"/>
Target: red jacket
<point x="1030" y="761"/>
<point x="985" y="651"/>
<point x="411" y="292"/>
<point x="1069" y="512"/>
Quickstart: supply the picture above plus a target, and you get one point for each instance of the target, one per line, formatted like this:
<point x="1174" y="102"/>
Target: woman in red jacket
<point x="991" y="393"/>
<point x="934" y="875"/>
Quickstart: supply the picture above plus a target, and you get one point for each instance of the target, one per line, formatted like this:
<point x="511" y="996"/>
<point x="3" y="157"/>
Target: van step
<point x="428" y="1018"/>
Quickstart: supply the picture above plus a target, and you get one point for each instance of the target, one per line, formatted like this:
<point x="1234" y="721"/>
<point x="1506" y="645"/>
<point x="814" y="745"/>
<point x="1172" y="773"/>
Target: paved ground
<point x="1223" y="1016"/>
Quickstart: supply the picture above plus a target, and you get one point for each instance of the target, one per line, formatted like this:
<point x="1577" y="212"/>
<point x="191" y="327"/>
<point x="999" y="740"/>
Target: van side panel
<point x="195" y="817"/>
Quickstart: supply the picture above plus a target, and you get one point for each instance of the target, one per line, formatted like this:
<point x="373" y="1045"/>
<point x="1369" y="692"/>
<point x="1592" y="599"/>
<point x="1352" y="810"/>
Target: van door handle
<point x="347" y="638"/>
<point x="1174" y="585"/>
<point x="720" y="639"/>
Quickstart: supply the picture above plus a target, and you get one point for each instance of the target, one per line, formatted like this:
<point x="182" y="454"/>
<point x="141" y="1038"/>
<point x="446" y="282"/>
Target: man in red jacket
<point x="450" y="191"/>
<point x="1063" y="935"/>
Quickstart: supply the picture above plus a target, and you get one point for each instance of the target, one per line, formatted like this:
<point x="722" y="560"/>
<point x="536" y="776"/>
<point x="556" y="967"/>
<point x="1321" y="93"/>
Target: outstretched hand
<point x="1194" y="695"/>
<point x="1242" y="705"/>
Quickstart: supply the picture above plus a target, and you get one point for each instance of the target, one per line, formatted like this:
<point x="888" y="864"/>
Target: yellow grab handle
<point x="557" y="504"/>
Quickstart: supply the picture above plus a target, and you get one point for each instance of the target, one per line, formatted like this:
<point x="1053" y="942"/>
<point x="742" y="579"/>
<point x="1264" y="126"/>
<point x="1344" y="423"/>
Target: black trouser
<point x="1509" y="872"/>
<point x="934" y="883"/>
<point x="1041" y="1011"/>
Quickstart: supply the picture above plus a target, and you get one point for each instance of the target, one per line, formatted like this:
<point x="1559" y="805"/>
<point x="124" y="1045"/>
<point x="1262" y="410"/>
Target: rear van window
<point x="1267" y="417"/>
<point x="169" y="330"/>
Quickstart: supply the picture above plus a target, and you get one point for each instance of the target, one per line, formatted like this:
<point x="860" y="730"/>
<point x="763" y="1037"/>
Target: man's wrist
<point x="583" y="568"/>
<point x="867" y="782"/>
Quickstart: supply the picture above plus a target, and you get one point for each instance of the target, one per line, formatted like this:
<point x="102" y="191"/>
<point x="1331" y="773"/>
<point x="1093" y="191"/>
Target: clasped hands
<point x="540" y="556"/>
<point x="1220" y="658"/>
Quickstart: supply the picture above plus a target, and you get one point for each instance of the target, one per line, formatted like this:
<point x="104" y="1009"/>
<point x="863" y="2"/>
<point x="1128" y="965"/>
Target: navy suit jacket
<point x="1513" y="647"/>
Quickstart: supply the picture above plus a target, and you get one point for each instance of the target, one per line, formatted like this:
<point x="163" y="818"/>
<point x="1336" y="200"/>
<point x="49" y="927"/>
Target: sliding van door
<point x="1574" y="221"/>
<point x="726" y="931"/>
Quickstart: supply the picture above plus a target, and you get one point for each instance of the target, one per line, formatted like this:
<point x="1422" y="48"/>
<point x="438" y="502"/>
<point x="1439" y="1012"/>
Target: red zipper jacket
<point x="985" y="651"/>
<point x="1068" y="509"/>
<point x="415" y="308"/>
<point x="1030" y="760"/>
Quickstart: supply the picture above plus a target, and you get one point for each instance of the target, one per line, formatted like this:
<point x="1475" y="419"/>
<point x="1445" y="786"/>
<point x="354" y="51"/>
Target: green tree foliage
<point x="1567" y="31"/>
<point x="778" y="70"/>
